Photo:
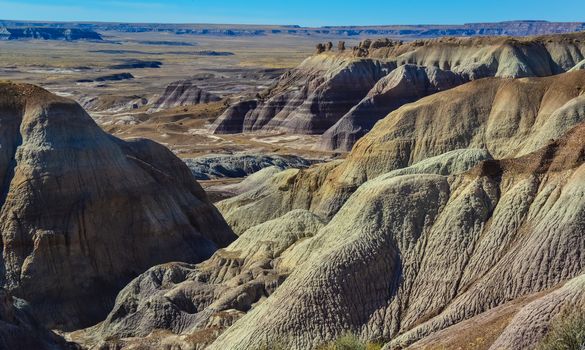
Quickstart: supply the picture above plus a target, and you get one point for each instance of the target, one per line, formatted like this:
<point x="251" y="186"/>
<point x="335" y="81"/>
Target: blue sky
<point x="302" y="12"/>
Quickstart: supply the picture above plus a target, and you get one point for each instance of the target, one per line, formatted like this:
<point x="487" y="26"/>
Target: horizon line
<point x="288" y="25"/>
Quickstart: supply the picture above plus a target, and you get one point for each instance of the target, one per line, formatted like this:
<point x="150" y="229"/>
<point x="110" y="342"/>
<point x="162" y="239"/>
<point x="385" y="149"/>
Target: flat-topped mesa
<point x="82" y="212"/>
<point x="325" y="88"/>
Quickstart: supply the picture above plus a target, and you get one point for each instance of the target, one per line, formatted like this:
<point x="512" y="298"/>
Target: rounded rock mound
<point x="82" y="212"/>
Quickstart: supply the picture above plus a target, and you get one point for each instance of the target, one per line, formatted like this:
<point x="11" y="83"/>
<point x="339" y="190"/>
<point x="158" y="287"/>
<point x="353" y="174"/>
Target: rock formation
<point x="414" y="254"/>
<point x="82" y="213"/>
<point x="110" y="77"/>
<point x="203" y="300"/>
<point x="319" y="48"/>
<point x="407" y="83"/>
<point x="183" y="93"/>
<point x="137" y="64"/>
<point x="233" y="119"/>
<point x="316" y="97"/>
<point x="27" y="33"/>
<point x="491" y="56"/>
<point x="309" y="99"/>
<point x="508" y="118"/>
<point x="240" y="165"/>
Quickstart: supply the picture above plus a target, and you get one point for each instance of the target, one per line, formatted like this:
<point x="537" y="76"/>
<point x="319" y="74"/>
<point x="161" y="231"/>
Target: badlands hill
<point x="183" y="93"/>
<point x="464" y="208"/>
<point x="82" y="212"/>
<point x="342" y="94"/>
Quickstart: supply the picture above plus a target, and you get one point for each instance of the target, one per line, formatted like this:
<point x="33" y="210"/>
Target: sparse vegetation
<point x="350" y="342"/>
<point x="346" y="342"/>
<point x="567" y="331"/>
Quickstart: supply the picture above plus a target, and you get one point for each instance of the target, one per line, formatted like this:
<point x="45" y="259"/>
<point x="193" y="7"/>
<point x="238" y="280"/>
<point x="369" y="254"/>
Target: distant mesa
<point x="214" y="53"/>
<point x="29" y="33"/>
<point x="165" y="43"/>
<point x="137" y="64"/>
<point x="111" y="77"/>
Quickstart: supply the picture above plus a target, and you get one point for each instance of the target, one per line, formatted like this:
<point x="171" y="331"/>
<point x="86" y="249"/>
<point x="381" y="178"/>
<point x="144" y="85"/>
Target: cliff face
<point x="341" y="95"/>
<point x="82" y="213"/>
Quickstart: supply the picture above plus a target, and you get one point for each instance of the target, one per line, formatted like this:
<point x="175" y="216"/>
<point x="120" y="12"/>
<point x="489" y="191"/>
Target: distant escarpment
<point x="516" y="28"/>
<point x="465" y="206"/>
<point x="342" y="94"/>
<point x="82" y="212"/>
<point x="40" y="33"/>
<point x="183" y="93"/>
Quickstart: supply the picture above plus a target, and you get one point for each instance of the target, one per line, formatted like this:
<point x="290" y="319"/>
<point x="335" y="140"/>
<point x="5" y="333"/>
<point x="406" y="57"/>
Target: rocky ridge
<point x="343" y="94"/>
<point x="508" y="118"/>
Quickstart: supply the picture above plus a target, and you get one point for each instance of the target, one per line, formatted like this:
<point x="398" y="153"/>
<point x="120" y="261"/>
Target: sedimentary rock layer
<point x="183" y="93"/>
<point x="410" y="255"/>
<point x="507" y="118"/>
<point x="343" y="94"/>
<point x="82" y="212"/>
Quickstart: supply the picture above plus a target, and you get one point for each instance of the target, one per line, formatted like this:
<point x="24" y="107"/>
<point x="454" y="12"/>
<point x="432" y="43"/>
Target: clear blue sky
<point x="302" y="12"/>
